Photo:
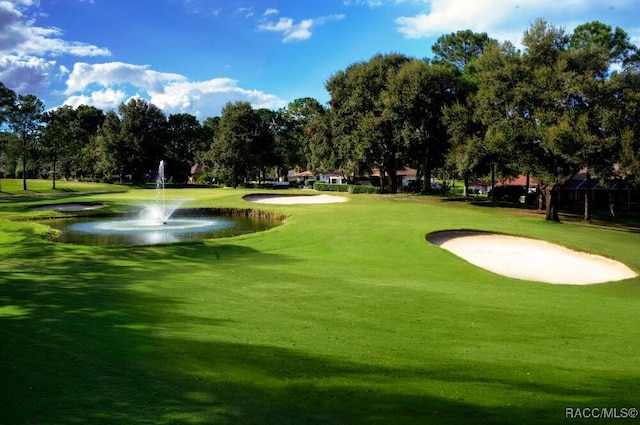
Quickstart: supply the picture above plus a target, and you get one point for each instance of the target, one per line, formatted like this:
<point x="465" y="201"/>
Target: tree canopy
<point x="566" y="102"/>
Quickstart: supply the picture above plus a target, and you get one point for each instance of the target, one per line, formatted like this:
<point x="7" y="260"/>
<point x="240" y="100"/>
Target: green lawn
<point x="342" y="315"/>
<point x="42" y="187"/>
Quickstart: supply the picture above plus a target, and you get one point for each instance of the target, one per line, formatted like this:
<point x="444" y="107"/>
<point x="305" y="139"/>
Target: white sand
<point x="295" y="199"/>
<point x="531" y="259"/>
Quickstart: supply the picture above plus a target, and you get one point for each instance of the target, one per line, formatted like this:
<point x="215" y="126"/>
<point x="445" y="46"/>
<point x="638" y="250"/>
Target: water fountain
<point x="161" y="222"/>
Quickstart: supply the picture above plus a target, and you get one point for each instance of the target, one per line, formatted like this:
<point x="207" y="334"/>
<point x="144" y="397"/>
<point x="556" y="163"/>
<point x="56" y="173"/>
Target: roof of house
<point x="579" y="180"/>
<point x="407" y="172"/>
<point x="196" y="169"/>
<point x="521" y="180"/>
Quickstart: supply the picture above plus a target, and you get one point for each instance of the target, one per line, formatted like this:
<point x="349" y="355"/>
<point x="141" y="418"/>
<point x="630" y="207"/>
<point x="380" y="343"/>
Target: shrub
<point x="509" y="193"/>
<point x="354" y="188"/>
<point x="326" y="187"/>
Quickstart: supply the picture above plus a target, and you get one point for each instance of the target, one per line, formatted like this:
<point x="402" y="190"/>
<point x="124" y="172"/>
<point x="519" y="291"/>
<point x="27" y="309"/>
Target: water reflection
<point x="121" y="231"/>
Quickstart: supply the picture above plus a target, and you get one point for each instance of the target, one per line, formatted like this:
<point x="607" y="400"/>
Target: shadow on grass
<point x="79" y="346"/>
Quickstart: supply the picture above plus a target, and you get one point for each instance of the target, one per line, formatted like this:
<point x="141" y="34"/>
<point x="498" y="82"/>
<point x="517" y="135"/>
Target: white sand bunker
<point x="77" y="206"/>
<point x="531" y="259"/>
<point x="295" y="199"/>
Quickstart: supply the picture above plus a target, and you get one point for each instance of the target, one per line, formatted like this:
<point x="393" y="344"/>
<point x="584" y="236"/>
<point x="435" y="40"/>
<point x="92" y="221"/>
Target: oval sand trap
<point x="531" y="259"/>
<point x="295" y="199"/>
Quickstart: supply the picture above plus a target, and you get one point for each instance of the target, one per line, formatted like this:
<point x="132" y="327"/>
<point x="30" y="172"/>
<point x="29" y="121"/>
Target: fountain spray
<point x="161" y="187"/>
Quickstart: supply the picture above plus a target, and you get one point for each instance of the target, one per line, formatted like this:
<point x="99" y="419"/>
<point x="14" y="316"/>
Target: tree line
<point x="477" y="108"/>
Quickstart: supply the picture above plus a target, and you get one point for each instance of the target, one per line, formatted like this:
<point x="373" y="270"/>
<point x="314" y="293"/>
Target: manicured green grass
<point x="342" y="315"/>
<point x="34" y="187"/>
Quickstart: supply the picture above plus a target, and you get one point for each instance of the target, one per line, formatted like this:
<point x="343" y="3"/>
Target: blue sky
<point x="195" y="55"/>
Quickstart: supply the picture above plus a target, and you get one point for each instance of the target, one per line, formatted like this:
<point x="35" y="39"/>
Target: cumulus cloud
<point x="103" y="99"/>
<point x="28" y="51"/>
<point x="106" y="86"/>
<point x="206" y="98"/>
<point x="109" y="74"/>
<point x="292" y="30"/>
<point x="504" y="21"/>
<point x="26" y="74"/>
<point x="20" y="36"/>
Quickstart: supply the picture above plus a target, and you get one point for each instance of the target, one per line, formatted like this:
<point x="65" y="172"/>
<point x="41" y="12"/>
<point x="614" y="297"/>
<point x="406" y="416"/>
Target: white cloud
<point x="20" y="36"/>
<point x="378" y="3"/>
<point x="27" y="51"/>
<point x="293" y="31"/>
<point x="26" y="74"/>
<point x="505" y="20"/>
<point x="247" y="12"/>
<point x="102" y="99"/>
<point x="450" y="15"/>
<point x="118" y="73"/>
<point x="271" y="12"/>
<point x="109" y="84"/>
<point x="206" y="98"/>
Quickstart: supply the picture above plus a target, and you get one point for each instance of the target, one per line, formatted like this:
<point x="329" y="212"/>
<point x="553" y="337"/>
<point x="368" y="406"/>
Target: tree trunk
<point x="391" y="166"/>
<point x="427" y="178"/>
<point x="612" y="204"/>
<point x="465" y="188"/>
<point x="551" y="195"/>
<point x="541" y="195"/>
<point x="526" y="189"/>
<point x="24" y="171"/>
<point x="53" y="177"/>
<point x="493" y="183"/>
<point x="394" y="182"/>
<point x="587" y="198"/>
<point x="427" y="172"/>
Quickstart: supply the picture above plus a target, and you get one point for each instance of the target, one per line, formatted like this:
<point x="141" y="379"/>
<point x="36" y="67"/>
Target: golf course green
<point x="344" y="314"/>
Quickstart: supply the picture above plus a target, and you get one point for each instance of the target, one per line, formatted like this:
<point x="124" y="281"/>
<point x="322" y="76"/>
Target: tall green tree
<point x="593" y="49"/>
<point x="7" y="102"/>
<point x="232" y="147"/>
<point x="185" y="139"/>
<point x="623" y="121"/>
<point x="323" y="154"/>
<point x="110" y="152"/>
<point x="414" y="101"/>
<point x="144" y="127"/>
<point x="368" y="134"/>
<point x="26" y="121"/>
<point x="460" y="48"/>
<point x="88" y="119"/>
<point x="467" y="153"/>
<point x="602" y="44"/>
<point x="265" y="156"/>
<point x="508" y="140"/>
<point x="57" y="137"/>
<point x="292" y="141"/>
<point x="527" y="102"/>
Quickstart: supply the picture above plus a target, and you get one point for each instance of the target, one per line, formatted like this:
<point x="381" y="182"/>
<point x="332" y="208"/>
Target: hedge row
<point x="354" y="188"/>
<point x="326" y="187"/>
<point x="351" y="188"/>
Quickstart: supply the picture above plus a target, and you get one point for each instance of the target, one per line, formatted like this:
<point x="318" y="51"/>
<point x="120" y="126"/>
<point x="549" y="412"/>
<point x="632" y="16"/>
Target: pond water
<point x="127" y="231"/>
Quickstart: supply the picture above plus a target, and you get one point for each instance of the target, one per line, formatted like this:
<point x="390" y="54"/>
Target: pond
<point x="182" y="226"/>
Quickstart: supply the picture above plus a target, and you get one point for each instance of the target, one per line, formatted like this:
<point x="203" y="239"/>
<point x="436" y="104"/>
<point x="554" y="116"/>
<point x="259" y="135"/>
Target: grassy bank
<point x="343" y="315"/>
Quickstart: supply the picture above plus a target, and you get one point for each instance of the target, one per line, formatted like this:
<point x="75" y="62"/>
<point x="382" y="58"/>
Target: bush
<point x="351" y="188"/>
<point x="354" y="188"/>
<point x="509" y="193"/>
<point x="326" y="187"/>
